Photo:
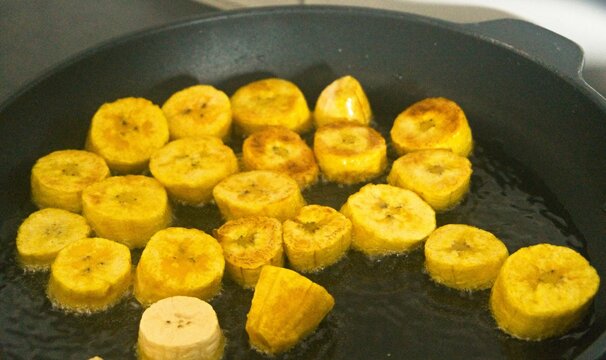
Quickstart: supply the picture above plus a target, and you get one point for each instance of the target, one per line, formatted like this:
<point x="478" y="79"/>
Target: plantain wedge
<point x="543" y="291"/>
<point x="388" y="220"/>
<point x="286" y="307"/>
<point x="249" y="243"/>
<point x="179" y="261"/>
<point x="343" y="100"/>
<point x="90" y="275"/>
<point x="432" y="123"/>
<point x="57" y="179"/>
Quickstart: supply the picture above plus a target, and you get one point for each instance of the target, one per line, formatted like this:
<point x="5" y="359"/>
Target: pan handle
<point x="537" y="43"/>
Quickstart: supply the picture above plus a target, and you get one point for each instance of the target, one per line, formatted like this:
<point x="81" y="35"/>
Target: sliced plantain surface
<point x="388" y="220"/>
<point x="90" y="275"/>
<point x="439" y="176"/>
<point x="126" y="132"/>
<point x="270" y="102"/>
<point x="464" y="257"/>
<point x="179" y="261"/>
<point x="44" y="233"/>
<point x="280" y="149"/>
<point x="286" y="307"/>
<point x="190" y="168"/>
<point x="128" y="209"/>
<point x="180" y="328"/>
<point x="57" y="179"/>
<point x="258" y="193"/>
<point x="543" y="291"/>
<point x="249" y="243"/>
<point x="432" y="123"/>
<point x="198" y="110"/>
<point x="343" y="100"/>
<point x="349" y="153"/>
<point x="316" y="238"/>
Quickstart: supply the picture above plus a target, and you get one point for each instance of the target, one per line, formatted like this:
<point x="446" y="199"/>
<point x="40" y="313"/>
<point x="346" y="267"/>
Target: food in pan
<point x="89" y="275"/>
<point x="350" y="153"/>
<point x="270" y="102"/>
<point x="180" y="328"/>
<point x="45" y="232"/>
<point x="317" y="237"/>
<point x="57" y="179"/>
<point x="126" y="132"/>
<point x="258" y="193"/>
<point x="128" y="209"/>
<point x="198" y="110"/>
<point x="286" y="307"/>
<point x="280" y="149"/>
<point x="464" y="257"/>
<point x="179" y="261"/>
<point x="432" y="123"/>
<point x="543" y="291"/>
<point x="248" y="244"/>
<point x="388" y="220"/>
<point x="439" y="176"/>
<point x="343" y="100"/>
<point x="189" y="168"/>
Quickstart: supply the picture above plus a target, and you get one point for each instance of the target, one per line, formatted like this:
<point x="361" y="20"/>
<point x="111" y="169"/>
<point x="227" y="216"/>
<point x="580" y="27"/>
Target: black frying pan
<point x="539" y="170"/>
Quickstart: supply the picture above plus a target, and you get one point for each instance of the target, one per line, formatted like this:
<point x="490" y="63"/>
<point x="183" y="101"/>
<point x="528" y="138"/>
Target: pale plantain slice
<point x="316" y="238"/>
<point x="190" y="168"/>
<point x="128" y="209"/>
<point x="270" y="102"/>
<point x="286" y="307"/>
<point x="350" y="153"/>
<point x="180" y="328"/>
<point x="44" y="233"/>
<point x="89" y="275"/>
<point x="432" y="123"/>
<point x="126" y="132"/>
<point x="343" y="100"/>
<point x="179" y="261"/>
<point x="388" y="220"/>
<point x="248" y="244"/>
<point x="464" y="257"/>
<point x="439" y="176"/>
<point x="57" y="179"/>
<point x="198" y="110"/>
<point x="280" y="149"/>
<point x="543" y="291"/>
<point x="258" y="193"/>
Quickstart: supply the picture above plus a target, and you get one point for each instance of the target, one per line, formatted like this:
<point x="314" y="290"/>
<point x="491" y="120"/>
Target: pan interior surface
<point x="533" y="180"/>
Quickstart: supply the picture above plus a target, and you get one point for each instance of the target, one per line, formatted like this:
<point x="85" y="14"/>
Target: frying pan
<point x="539" y="170"/>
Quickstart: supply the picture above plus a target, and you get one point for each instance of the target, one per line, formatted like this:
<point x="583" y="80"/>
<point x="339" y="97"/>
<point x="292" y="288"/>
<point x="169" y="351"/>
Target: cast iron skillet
<point x="539" y="170"/>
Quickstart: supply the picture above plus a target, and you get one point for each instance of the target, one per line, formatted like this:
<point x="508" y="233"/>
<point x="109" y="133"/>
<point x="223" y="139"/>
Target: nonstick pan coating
<point x="539" y="170"/>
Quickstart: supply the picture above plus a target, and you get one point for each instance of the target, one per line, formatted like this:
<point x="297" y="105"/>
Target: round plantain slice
<point x="350" y="153"/>
<point x="543" y="291"/>
<point x="432" y="123"/>
<point x="198" y="110"/>
<point x="464" y="257"/>
<point x="44" y="233"/>
<point x="343" y="100"/>
<point x="57" y="179"/>
<point x="316" y="238"/>
<point x="179" y="261"/>
<point x="270" y="102"/>
<point x="258" y="193"/>
<point x="190" y="168"/>
<point x="89" y="275"/>
<point x="439" y="176"/>
<point x="249" y="243"/>
<point x="128" y="209"/>
<point x="126" y="132"/>
<point x="388" y="220"/>
<point x="280" y="149"/>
